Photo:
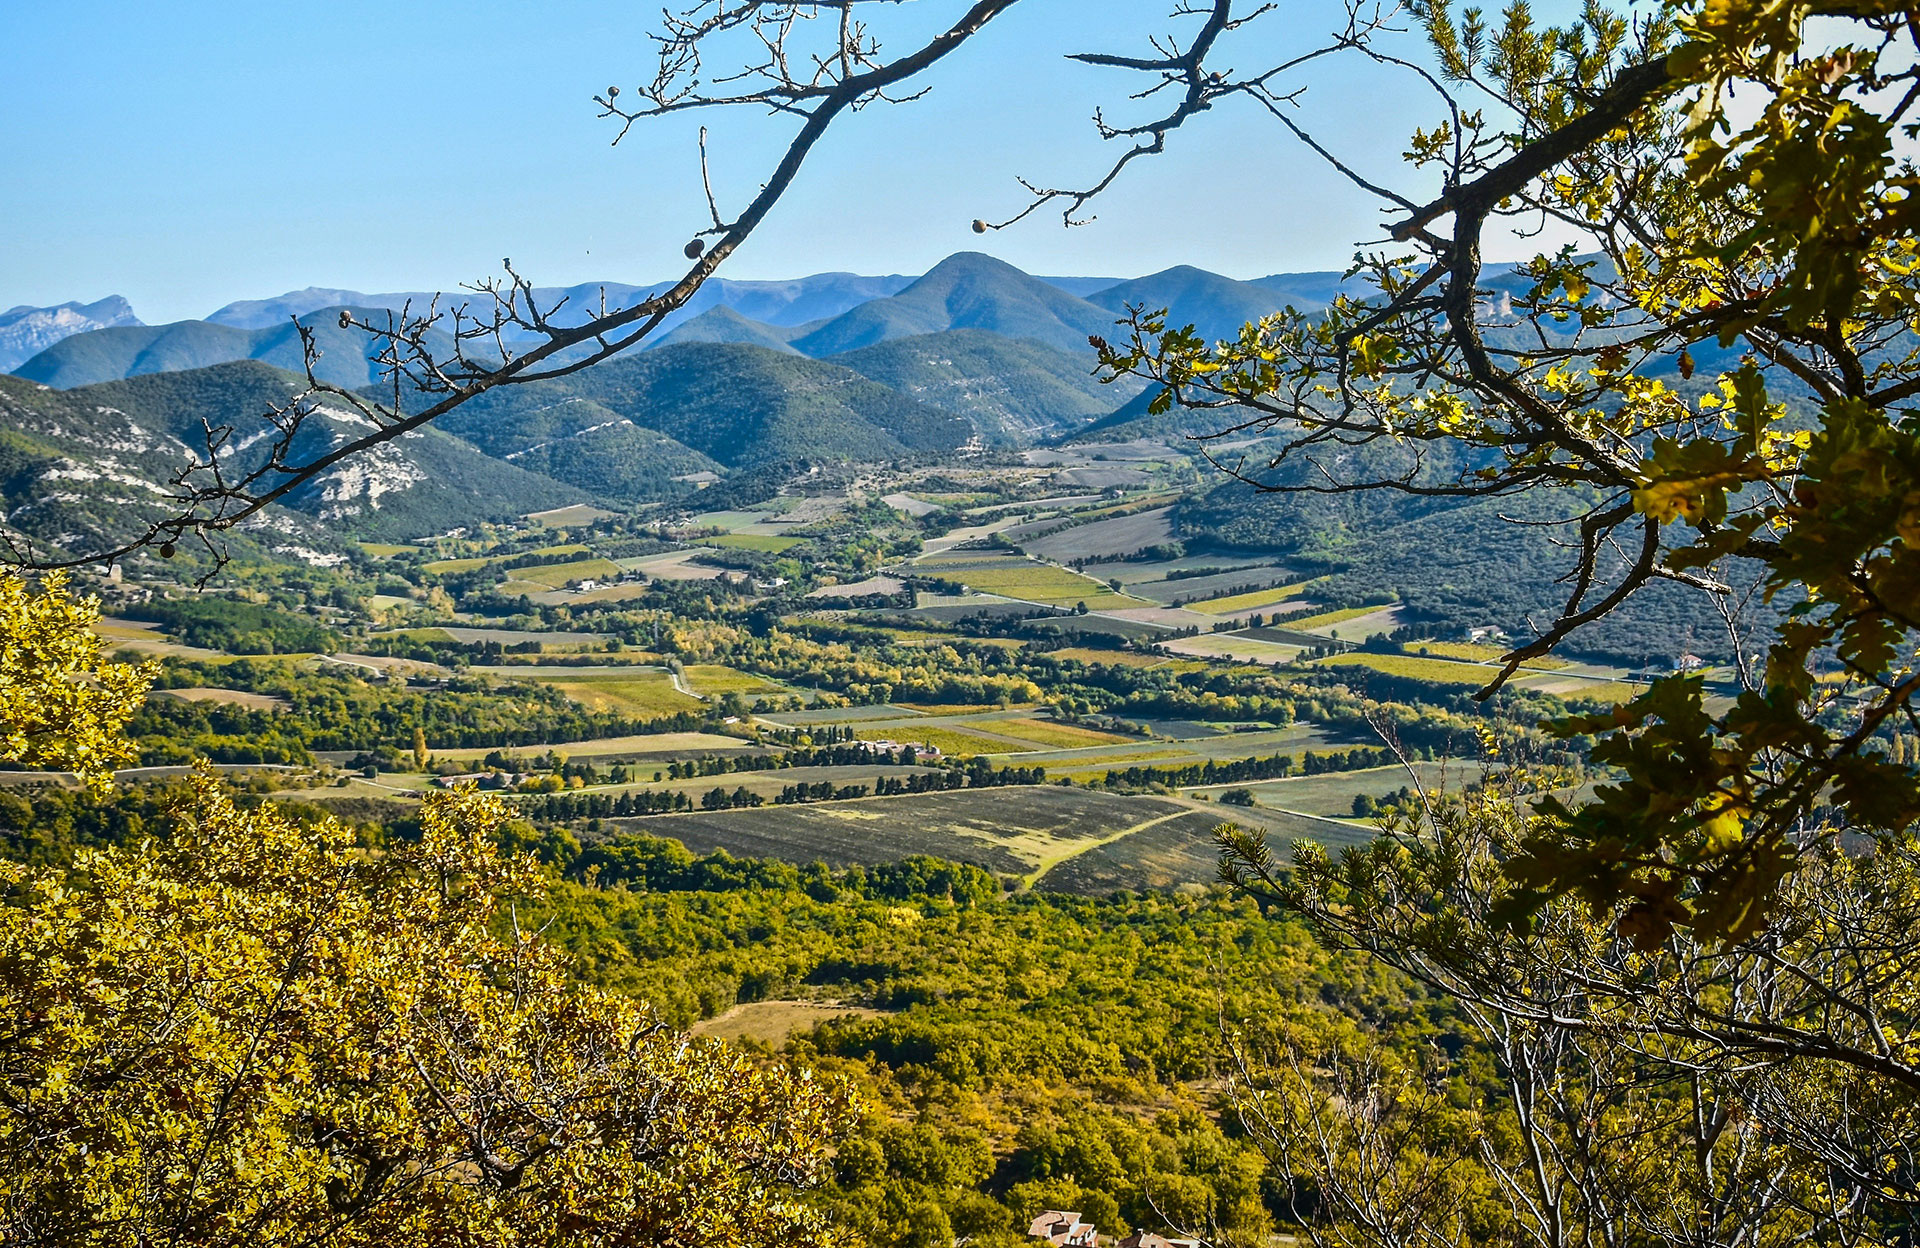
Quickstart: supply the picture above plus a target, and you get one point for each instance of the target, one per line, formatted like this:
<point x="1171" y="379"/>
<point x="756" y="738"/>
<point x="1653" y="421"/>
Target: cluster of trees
<point x="237" y="627"/>
<point x="240" y="1027"/>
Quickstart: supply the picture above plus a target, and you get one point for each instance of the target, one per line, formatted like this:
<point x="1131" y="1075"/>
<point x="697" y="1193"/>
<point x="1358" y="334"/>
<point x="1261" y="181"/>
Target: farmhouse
<point x="1064" y="1230"/>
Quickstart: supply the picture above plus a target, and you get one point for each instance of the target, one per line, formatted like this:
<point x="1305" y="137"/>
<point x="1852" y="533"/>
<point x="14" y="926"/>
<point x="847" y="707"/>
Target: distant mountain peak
<point x="26" y="331"/>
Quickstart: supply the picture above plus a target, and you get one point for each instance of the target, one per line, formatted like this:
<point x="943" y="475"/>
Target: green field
<point x="446" y="566"/>
<point x="1409" y="667"/>
<point x="627" y="692"/>
<point x="755" y="541"/>
<point x="1471" y="653"/>
<point x="1048" y="733"/>
<point x="715" y="678"/>
<point x="1035" y="582"/>
<point x="951" y="741"/>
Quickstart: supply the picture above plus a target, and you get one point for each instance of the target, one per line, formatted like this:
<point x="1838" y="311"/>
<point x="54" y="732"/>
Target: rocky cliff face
<point x="27" y="331"/>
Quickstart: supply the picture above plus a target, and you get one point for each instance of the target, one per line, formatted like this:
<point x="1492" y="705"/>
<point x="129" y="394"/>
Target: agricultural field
<point x="654" y="745"/>
<point x="673" y="566"/>
<point x="1049" y="733"/>
<point x="1249" y="601"/>
<point x="1122" y="658"/>
<point x="1182" y="851"/>
<point x="555" y="641"/>
<point x="1411" y="667"/>
<point x="1235" y="646"/>
<point x="1468" y="652"/>
<point x="951" y="741"/>
<point x="554" y="575"/>
<point x="628" y="692"/>
<point x="1356" y="622"/>
<point x="1012" y="831"/>
<point x="1130" y="573"/>
<point x="225" y="697"/>
<point x="755" y="541"/>
<point x="1331" y="794"/>
<point x="1120" y="535"/>
<point x="567" y="517"/>
<point x="712" y="679"/>
<point x="454" y="566"/>
<point x="765" y="784"/>
<point x="1027" y="581"/>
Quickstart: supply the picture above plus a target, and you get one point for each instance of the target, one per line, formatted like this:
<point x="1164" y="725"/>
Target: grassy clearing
<point x="714" y="678"/>
<point x="773" y="1021"/>
<point x="1409" y="667"/>
<point x="385" y="550"/>
<point x="1246" y="602"/>
<point x="630" y="693"/>
<point x="1046" y="732"/>
<point x="756" y="541"/>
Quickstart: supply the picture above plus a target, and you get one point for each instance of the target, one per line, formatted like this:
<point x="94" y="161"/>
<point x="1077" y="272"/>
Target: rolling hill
<point x="85" y="465"/>
<point x="965" y="291"/>
<point x="137" y="350"/>
<point x="1013" y="390"/>
<point x="1214" y="305"/>
<point x="733" y="403"/>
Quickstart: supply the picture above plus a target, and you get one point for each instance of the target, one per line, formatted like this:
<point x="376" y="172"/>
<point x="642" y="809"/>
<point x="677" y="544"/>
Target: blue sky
<point x="192" y="153"/>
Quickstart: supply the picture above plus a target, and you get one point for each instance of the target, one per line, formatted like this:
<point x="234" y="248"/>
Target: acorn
<point x="166" y="550"/>
<point x="979" y="226"/>
<point x="695" y="249"/>
<point x="346" y="319"/>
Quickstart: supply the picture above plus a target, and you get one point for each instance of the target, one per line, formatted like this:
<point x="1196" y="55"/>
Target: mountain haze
<point x="26" y="331"/>
<point x="132" y="351"/>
